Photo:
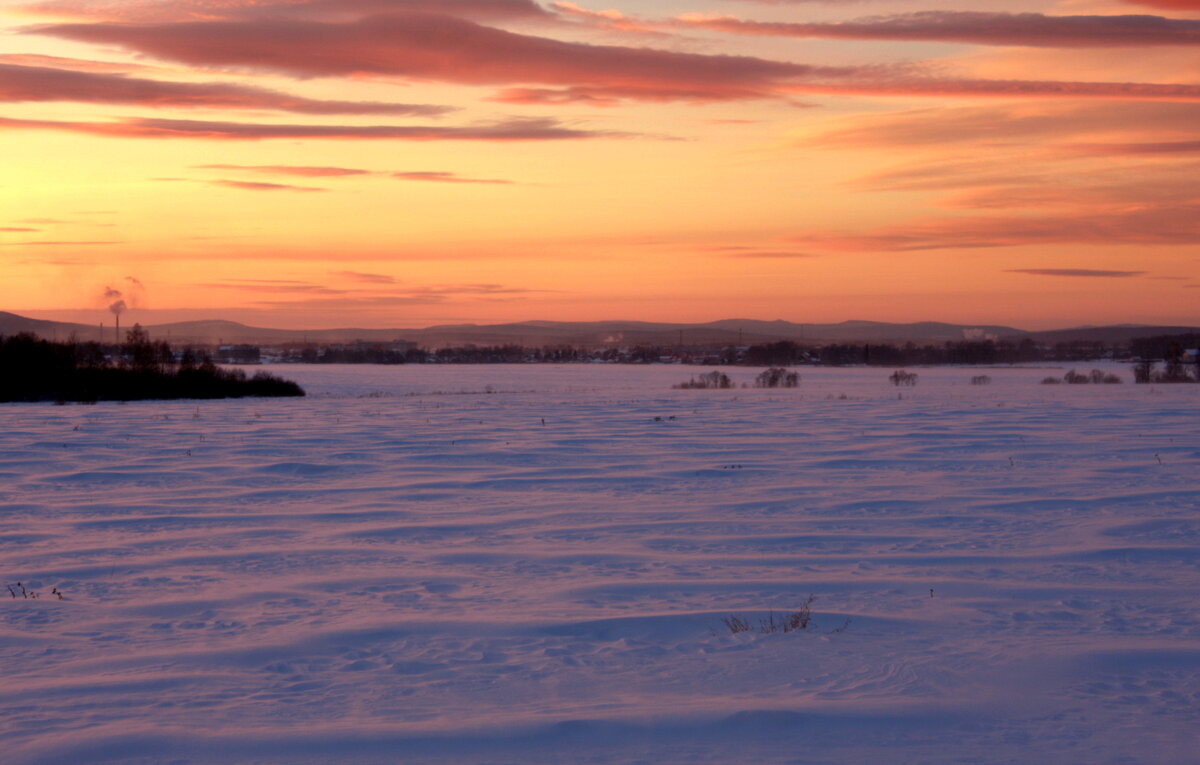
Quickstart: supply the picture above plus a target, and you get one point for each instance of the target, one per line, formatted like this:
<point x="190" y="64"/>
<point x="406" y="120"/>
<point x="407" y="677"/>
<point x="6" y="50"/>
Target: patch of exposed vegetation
<point x="713" y="379"/>
<point x="777" y="377"/>
<point x="1097" y="376"/>
<point x="40" y="370"/>
<point x="796" y="621"/>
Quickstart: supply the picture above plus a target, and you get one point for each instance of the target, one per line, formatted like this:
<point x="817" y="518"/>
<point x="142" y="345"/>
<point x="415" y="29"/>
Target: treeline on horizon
<point x="782" y="353"/>
<point x="32" y="369"/>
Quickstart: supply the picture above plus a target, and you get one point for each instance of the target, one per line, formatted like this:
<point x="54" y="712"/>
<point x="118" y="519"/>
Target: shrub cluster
<point x="39" y="370"/>
<point x="1173" y="371"/>
<point x="1097" y="376"/>
<point x="902" y="377"/>
<point x="713" y="379"/>
<point x="777" y="377"/>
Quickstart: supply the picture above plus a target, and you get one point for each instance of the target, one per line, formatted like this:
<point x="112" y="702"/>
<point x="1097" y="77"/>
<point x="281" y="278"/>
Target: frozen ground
<point x="405" y="568"/>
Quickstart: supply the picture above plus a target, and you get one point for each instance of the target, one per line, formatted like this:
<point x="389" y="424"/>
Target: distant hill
<point x="624" y="333"/>
<point x="1122" y="333"/>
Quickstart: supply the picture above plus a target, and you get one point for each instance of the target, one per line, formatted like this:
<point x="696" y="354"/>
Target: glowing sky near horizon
<point x="320" y="163"/>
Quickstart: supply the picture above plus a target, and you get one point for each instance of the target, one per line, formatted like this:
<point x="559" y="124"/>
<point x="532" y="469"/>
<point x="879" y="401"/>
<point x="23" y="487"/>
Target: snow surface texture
<point x="406" y="568"/>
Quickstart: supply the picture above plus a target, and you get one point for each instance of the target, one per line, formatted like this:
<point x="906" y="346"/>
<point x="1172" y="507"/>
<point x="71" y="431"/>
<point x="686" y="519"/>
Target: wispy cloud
<point x="259" y="186"/>
<point x="297" y="170"/>
<point x="196" y="10"/>
<point x="532" y="69"/>
<point x="1168" y="5"/>
<point x="1156" y="225"/>
<point x="367" y="278"/>
<point x="444" y="49"/>
<point x="607" y="19"/>
<point x="137" y="127"/>
<point x="445" y="177"/>
<point x="274" y="288"/>
<point x="1041" y="123"/>
<point x="20" y="84"/>
<point x="1075" y="272"/>
<point x="981" y="28"/>
<point x="55" y="244"/>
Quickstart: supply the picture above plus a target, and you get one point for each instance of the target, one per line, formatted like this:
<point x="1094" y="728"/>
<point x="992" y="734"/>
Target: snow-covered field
<point x="410" y="566"/>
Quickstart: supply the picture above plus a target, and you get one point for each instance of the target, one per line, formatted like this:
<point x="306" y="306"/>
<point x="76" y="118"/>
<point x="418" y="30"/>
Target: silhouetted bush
<point x="1051" y="381"/>
<point x="712" y="379"/>
<point x="1175" y="371"/>
<point x="39" y="370"/>
<point x="777" y="377"/>
<point x="902" y="377"/>
<point x="981" y="380"/>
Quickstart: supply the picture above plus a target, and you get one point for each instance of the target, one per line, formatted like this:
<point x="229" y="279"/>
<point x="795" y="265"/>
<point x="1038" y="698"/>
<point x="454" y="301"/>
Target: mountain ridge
<point x="722" y="332"/>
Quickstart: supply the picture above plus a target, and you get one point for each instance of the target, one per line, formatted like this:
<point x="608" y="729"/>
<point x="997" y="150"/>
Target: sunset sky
<point x="326" y="163"/>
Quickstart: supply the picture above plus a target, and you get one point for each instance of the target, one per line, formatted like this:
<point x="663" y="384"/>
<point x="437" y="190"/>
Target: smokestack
<point x="116" y="308"/>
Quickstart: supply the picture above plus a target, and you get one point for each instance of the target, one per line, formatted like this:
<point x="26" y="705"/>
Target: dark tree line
<point x="39" y="370"/>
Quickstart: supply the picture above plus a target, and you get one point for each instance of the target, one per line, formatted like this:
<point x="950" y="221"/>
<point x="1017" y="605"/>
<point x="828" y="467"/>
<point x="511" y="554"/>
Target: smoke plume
<point x="119" y="301"/>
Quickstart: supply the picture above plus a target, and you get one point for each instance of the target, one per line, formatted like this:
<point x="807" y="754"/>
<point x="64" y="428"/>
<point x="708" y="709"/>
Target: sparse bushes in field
<point x="26" y="594"/>
<point x="903" y="377"/>
<point x="981" y="380"/>
<point x="1074" y="378"/>
<point x="796" y="621"/>
<point x="1096" y="376"/>
<point x="777" y="377"/>
<point x="1174" y="371"/>
<point x="713" y="379"/>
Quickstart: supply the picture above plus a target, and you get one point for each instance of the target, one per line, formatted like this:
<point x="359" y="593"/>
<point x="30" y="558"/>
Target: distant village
<point x="1182" y="348"/>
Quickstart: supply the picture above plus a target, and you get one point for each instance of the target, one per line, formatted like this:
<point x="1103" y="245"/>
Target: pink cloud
<point x="1028" y="29"/>
<point x="30" y="83"/>
<point x="511" y="130"/>
<point x="532" y="69"/>
<point x="302" y="171"/>
<point x="444" y="177"/>
<point x="208" y="10"/>
<point x="445" y="49"/>
<point x="53" y="244"/>
<point x="256" y="186"/>
<point x="275" y="288"/>
<point x="1076" y="272"/>
<point x="1153" y="147"/>
<point x="11" y="229"/>
<point x="1170" y="5"/>
<point x="1149" y="225"/>
<point x="1012" y="124"/>
<point x="368" y="278"/>
<point x="608" y="19"/>
<point x="74" y="64"/>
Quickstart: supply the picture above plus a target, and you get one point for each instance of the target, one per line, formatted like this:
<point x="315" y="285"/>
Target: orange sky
<point x="322" y="163"/>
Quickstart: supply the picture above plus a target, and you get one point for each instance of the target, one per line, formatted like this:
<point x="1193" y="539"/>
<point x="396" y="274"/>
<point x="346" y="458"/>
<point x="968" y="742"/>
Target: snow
<point x="406" y="567"/>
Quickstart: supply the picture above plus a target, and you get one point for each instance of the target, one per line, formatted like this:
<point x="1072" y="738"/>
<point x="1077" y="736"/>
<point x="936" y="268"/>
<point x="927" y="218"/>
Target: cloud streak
<point x="538" y="70"/>
<point x="198" y="10"/>
<point x="508" y="131"/>
<point x="1076" y="272"/>
<point x="19" y="84"/>
<point x="445" y="177"/>
<point x="367" y="278"/>
<point x="1163" y="225"/>
<point x="296" y="170"/>
<point x="259" y="186"/>
<point x="981" y="28"/>
<point x="444" y="49"/>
